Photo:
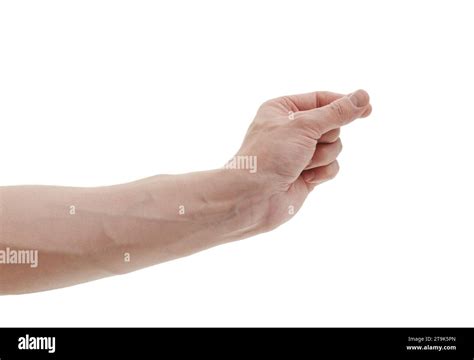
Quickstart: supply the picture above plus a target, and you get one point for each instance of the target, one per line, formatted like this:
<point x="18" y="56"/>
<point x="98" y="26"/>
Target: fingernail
<point x="359" y="98"/>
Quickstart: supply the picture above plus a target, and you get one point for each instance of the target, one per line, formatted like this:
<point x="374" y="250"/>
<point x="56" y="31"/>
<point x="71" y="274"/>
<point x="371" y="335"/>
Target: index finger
<point x="312" y="100"/>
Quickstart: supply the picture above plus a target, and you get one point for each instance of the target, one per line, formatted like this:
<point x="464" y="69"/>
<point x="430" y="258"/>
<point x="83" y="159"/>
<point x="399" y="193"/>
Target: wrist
<point x="224" y="204"/>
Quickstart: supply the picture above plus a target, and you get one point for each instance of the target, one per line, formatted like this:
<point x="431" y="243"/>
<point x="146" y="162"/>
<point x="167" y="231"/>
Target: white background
<point x="104" y="92"/>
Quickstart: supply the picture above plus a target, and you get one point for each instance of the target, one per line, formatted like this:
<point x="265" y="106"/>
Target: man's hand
<point x="295" y="140"/>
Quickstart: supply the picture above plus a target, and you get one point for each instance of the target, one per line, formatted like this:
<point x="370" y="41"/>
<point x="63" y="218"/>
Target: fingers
<point x="325" y="154"/>
<point x="321" y="174"/>
<point x="310" y="101"/>
<point x="330" y="136"/>
<point x="367" y="112"/>
<point x="336" y="114"/>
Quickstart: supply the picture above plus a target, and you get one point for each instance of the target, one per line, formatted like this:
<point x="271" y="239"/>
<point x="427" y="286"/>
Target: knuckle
<point x="336" y="133"/>
<point x="266" y="104"/>
<point x="337" y="110"/>
<point x="331" y="136"/>
<point x="287" y="103"/>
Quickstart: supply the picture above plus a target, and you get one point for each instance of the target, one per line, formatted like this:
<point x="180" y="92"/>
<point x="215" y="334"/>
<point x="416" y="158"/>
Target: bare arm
<point x="82" y="234"/>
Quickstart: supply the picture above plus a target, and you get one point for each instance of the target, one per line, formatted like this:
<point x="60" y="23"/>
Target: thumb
<point x="338" y="113"/>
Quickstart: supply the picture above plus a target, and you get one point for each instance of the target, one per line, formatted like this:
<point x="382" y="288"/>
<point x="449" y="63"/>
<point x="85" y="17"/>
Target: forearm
<point x="82" y="234"/>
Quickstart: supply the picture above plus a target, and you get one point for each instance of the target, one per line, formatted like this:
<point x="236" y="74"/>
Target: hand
<point x="295" y="140"/>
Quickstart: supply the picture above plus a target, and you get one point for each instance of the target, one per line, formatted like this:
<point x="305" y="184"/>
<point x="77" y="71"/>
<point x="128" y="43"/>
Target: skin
<point x="122" y="228"/>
